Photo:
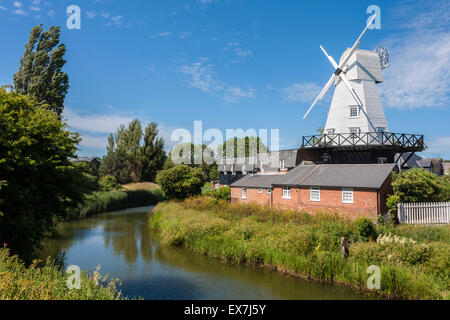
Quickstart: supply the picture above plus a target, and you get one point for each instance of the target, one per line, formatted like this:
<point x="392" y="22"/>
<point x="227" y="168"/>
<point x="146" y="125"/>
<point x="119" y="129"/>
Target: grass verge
<point x="18" y="282"/>
<point x="100" y="202"/>
<point x="414" y="261"/>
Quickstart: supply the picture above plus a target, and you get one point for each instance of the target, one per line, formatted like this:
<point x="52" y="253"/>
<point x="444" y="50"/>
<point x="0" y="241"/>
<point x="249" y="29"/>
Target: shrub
<point x="180" y="181"/>
<point x="365" y="229"/>
<point x="109" y="183"/>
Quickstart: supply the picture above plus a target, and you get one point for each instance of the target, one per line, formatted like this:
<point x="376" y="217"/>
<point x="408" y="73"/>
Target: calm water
<point x="123" y="244"/>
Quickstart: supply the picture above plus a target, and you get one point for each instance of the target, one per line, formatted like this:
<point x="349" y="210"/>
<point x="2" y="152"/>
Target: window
<point x="269" y="191"/>
<point x="347" y="195"/>
<point x="244" y="193"/>
<point x="282" y="163"/>
<point x="217" y="186"/>
<point x="260" y="190"/>
<point x="232" y="168"/>
<point x="330" y="132"/>
<point x="382" y="160"/>
<point x="354" y="111"/>
<point x="314" y="194"/>
<point x="354" y="132"/>
<point x="325" y="157"/>
<point x="261" y="166"/>
<point x="286" y="193"/>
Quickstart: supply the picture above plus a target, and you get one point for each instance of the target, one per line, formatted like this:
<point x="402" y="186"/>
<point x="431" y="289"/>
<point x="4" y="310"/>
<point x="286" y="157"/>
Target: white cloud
<point x="419" y="75"/>
<point x="184" y="35"/>
<point x="20" y="12"/>
<point x="3" y="8"/>
<point x="91" y="14"/>
<point x="202" y="77"/>
<point x="35" y="8"/>
<point x="301" y="92"/>
<point x="94" y="123"/>
<point x="438" y="147"/>
<point x="93" y="142"/>
<point x="17" y="4"/>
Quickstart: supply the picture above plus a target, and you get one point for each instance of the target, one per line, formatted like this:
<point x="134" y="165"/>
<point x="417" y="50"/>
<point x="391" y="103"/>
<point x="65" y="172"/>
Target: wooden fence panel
<point x="424" y="213"/>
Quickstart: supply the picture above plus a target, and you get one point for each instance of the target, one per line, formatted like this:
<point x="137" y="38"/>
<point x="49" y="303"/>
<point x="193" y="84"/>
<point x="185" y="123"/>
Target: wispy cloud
<point x="94" y="123"/>
<point x="438" y="147"/>
<point x="300" y="92"/>
<point x="240" y="52"/>
<point x="202" y="76"/>
<point x="419" y="75"/>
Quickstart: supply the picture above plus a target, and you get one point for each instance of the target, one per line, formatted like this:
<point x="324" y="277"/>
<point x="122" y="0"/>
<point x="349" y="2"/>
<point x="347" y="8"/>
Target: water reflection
<point x="124" y="245"/>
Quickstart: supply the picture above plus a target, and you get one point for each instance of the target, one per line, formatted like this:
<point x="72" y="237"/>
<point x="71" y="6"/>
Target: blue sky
<point x="235" y="64"/>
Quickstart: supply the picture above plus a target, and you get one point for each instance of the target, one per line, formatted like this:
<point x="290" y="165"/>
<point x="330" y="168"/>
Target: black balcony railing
<point x="409" y="142"/>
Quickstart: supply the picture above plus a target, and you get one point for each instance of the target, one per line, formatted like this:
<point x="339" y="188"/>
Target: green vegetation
<point x="40" y="73"/>
<point x="18" y="282"/>
<point x="414" y="261"/>
<point x="242" y="147"/>
<point x="130" y="161"/>
<point x="99" y="202"/>
<point x="108" y="183"/>
<point x="418" y="185"/>
<point x="39" y="182"/>
<point x="223" y="193"/>
<point x="180" y="181"/>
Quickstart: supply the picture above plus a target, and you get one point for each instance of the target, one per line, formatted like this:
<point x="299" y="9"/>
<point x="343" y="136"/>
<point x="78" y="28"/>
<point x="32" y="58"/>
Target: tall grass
<point x="100" y="202"/>
<point x="18" y="282"/>
<point x="308" y="245"/>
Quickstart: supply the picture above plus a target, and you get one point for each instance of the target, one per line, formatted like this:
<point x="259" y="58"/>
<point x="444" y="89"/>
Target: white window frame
<point x="282" y="164"/>
<point x="244" y="193"/>
<point x="350" y="108"/>
<point x="261" y="166"/>
<point x="287" y="193"/>
<point x="269" y="191"/>
<point x="348" y="191"/>
<point x="313" y="194"/>
<point x="260" y="190"/>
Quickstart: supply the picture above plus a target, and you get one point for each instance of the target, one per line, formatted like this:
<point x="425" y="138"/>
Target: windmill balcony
<point x="400" y="142"/>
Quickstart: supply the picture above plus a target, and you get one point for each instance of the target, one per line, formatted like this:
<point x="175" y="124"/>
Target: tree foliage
<point x="418" y="185"/>
<point x="128" y="160"/>
<point x="39" y="180"/>
<point x="181" y="181"/>
<point x="242" y="147"/>
<point x="40" y="73"/>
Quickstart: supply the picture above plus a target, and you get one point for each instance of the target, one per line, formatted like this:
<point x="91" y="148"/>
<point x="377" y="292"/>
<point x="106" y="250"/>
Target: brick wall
<point x="365" y="202"/>
<point x="252" y="196"/>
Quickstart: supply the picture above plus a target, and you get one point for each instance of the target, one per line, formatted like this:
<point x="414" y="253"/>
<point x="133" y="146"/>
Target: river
<point x="125" y="247"/>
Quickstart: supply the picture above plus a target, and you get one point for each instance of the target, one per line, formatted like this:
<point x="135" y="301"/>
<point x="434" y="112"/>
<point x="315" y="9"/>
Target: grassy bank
<point x="99" y="202"/>
<point x="18" y="282"/>
<point x="414" y="264"/>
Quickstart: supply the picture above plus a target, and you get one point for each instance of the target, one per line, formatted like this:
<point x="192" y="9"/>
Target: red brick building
<point x="354" y="189"/>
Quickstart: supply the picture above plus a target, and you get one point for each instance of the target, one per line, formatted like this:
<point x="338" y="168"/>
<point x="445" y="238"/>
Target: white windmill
<point x="356" y="105"/>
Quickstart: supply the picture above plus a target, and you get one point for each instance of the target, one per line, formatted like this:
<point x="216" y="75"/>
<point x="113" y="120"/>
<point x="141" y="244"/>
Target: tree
<point x="115" y="162"/>
<point x="39" y="180"/>
<point x="153" y="154"/>
<point x="180" y="181"/>
<point x="195" y="156"/>
<point x="418" y="185"/>
<point x="40" y="73"/>
<point x="242" y="147"/>
<point x="129" y="141"/>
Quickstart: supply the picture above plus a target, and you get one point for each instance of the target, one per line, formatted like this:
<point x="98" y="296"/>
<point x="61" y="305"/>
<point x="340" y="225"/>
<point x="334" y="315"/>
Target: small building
<point x="353" y="189"/>
<point x="415" y="161"/>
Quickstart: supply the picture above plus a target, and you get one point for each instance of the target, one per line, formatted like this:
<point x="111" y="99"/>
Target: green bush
<point x="181" y="181"/>
<point x="365" y="229"/>
<point x="223" y="193"/>
<point x="109" y="183"/>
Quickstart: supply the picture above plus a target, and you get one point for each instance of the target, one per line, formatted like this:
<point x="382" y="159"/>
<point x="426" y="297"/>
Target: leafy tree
<point x="153" y="154"/>
<point x="109" y="183"/>
<point x="417" y="185"/>
<point x="198" y="156"/>
<point x="129" y="141"/>
<point x="252" y="145"/>
<point x="40" y="73"/>
<point x="180" y="181"/>
<point x="40" y="182"/>
<point x="115" y="162"/>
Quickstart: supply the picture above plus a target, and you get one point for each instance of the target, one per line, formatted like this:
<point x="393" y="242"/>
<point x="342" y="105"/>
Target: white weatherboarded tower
<point x="356" y="106"/>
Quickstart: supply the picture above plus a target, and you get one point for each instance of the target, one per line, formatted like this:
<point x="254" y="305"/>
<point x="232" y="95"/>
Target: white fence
<point x="424" y="213"/>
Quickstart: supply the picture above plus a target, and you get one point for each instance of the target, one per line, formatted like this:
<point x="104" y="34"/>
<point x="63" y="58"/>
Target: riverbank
<point x="415" y="264"/>
<point x="105" y="201"/>
<point x="18" y="282"/>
